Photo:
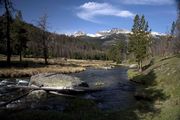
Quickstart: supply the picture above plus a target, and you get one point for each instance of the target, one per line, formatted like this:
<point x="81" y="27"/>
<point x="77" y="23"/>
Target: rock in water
<point x="83" y="84"/>
<point x="133" y="66"/>
<point x="21" y="82"/>
<point x="55" y="80"/>
<point x="37" y="95"/>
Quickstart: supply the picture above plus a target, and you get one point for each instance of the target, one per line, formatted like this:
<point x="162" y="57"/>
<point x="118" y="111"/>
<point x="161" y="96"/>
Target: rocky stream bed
<point x="114" y="90"/>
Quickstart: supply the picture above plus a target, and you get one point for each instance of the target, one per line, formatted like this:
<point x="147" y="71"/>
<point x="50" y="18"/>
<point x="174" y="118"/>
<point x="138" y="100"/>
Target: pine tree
<point x="19" y="35"/>
<point x="7" y="4"/>
<point x="117" y="52"/>
<point x="177" y="39"/>
<point x="139" y="39"/>
<point x="173" y="27"/>
<point x="170" y="39"/>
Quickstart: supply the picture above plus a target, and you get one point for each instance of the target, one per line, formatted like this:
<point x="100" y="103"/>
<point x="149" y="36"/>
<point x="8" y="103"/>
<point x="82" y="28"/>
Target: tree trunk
<point x="45" y="54"/>
<point x="20" y="56"/>
<point x="8" y="34"/>
<point x="45" y="51"/>
<point x="140" y="66"/>
<point x="45" y="59"/>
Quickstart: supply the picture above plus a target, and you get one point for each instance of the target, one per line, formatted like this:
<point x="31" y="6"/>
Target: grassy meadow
<point x="32" y="66"/>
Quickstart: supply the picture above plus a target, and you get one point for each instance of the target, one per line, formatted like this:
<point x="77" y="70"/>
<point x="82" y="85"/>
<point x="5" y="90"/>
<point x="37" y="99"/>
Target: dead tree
<point x="44" y="36"/>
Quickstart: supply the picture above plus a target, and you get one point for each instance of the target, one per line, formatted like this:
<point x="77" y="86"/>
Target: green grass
<point x="132" y="74"/>
<point x="161" y="84"/>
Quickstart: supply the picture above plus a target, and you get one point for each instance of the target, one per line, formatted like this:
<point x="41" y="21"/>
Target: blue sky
<point x="90" y="16"/>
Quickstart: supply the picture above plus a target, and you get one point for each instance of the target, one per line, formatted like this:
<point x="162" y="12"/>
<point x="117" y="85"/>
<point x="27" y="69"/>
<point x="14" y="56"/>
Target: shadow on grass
<point x="149" y="97"/>
<point x="148" y="65"/>
<point x="178" y="55"/>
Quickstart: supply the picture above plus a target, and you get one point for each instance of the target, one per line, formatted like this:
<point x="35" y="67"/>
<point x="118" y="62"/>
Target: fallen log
<point x="70" y="91"/>
<point x="60" y="94"/>
<point x="57" y="89"/>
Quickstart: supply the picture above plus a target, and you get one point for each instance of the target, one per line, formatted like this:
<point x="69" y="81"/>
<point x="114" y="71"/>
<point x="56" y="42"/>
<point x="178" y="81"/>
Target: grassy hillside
<point x="159" y="92"/>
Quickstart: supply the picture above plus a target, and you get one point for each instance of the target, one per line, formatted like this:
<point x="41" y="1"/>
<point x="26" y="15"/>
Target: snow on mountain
<point x="113" y="31"/>
<point x="118" y="31"/>
<point x="105" y="33"/>
<point x="79" y="33"/>
<point x="157" y="33"/>
<point x="94" y="35"/>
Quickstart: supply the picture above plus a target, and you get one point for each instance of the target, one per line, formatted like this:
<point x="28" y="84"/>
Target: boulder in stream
<point x="37" y="95"/>
<point x="55" y="80"/>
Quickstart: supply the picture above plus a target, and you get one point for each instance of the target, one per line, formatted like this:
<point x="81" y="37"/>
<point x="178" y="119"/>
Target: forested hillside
<point x="26" y="39"/>
<point x="58" y="45"/>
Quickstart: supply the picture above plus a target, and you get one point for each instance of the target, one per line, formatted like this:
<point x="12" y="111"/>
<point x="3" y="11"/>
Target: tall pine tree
<point x="19" y="35"/>
<point x="7" y="4"/>
<point x="177" y="39"/>
<point x="139" y="39"/>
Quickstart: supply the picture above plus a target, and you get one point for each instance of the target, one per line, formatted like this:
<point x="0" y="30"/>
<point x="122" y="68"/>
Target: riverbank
<point x="111" y="102"/>
<point x="158" y="92"/>
<point x="28" y="72"/>
<point x="158" y="95"/>
<point x="32" y="66"/>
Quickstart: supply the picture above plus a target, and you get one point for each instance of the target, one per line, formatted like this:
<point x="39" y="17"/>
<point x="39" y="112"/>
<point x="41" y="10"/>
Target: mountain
<point x="157" y="34"/>
<point x="104" y="38"/>
<point x="79" y="33"/>
<point x="109" y="37"/>
<point x="113" y="31"/>
<point x="102" y="33"/>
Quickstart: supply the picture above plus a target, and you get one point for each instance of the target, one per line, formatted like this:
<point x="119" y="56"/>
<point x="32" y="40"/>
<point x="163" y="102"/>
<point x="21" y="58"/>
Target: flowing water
<point x="117" y="91"/>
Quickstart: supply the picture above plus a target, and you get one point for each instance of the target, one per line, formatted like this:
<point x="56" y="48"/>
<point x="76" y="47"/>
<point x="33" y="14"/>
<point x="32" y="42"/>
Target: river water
<point x="117" y="91"/>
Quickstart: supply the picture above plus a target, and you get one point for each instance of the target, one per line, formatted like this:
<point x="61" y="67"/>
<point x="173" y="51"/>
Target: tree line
<point x="142" y="44"/>
<point x="23" y="39"/>
<point x="27" y="40"/>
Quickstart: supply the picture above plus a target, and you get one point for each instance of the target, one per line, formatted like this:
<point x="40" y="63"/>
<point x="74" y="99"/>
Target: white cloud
<point x="149" y="2"/>
<point x="90" y="10"/>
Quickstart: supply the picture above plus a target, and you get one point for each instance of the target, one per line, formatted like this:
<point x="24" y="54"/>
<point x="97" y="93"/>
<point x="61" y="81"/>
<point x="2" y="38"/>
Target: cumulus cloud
<point x="148" y="2"/>
<point x="90" y="10"/>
